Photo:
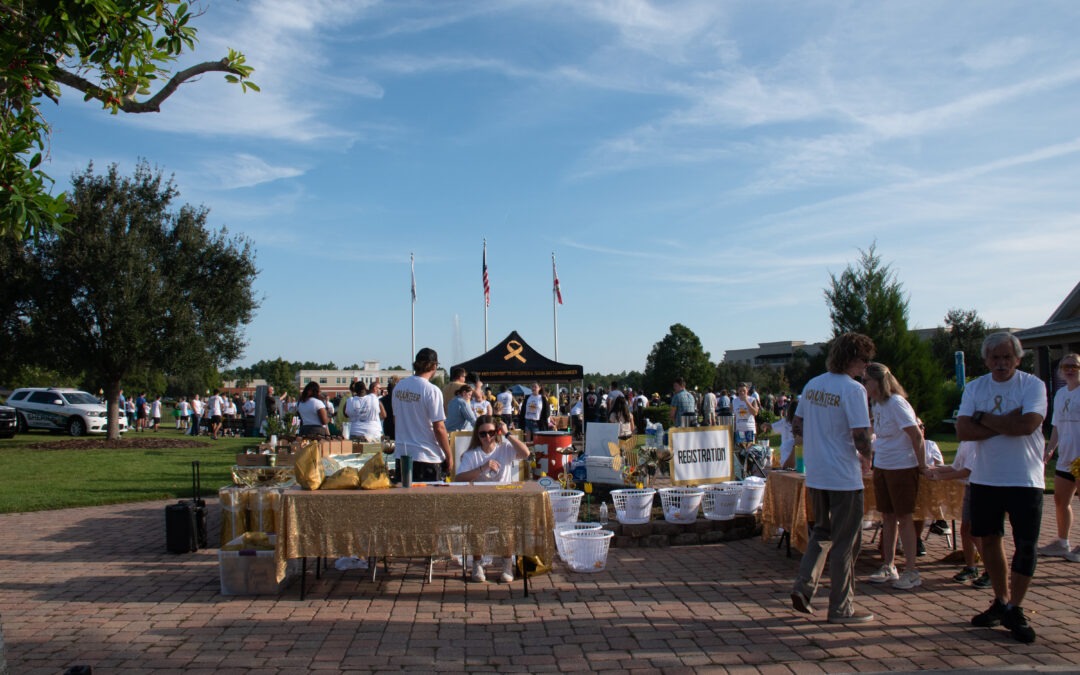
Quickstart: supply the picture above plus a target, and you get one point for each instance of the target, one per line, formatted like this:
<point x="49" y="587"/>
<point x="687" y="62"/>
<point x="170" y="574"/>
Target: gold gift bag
<point x="309" y="469"/>
<point x="373" y="475"/>
<point x="262" y="509"/>
<point x="346" y="479"/>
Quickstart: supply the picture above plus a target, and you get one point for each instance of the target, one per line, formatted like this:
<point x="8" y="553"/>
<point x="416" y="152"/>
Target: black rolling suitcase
<point x="185" y="521"/>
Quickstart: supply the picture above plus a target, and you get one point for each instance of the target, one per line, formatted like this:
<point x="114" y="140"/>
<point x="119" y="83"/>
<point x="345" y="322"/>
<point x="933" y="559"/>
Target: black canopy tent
<point x="513" y="360"/>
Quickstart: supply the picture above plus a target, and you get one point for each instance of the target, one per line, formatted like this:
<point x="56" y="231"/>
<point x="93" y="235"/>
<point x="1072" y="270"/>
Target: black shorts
<point x="1066" y="475"/>
<point x="216" y="419"/>
<point x="990" y="503"/>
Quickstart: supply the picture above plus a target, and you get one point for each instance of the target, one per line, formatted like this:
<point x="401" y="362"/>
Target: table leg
<point x="303" y="577"/>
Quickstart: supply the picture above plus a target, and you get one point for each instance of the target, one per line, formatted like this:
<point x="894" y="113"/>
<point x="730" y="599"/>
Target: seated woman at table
<point x="899" y="460"/>
<point x="459" y="413"/>
<point x="490" y="458"/>
<point x="314" y="419"/>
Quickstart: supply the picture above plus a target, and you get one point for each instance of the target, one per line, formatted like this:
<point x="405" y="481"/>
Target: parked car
<point x="9" y="422"/>
<point x="57" y="409"/>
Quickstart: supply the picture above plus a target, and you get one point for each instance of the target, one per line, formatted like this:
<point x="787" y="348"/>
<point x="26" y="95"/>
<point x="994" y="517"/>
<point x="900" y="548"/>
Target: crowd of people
<point x="855" y="419"/>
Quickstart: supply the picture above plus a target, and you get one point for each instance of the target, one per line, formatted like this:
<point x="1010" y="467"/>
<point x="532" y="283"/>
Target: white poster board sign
<point x="597" y="437"/>
<point x="701" y="455"/>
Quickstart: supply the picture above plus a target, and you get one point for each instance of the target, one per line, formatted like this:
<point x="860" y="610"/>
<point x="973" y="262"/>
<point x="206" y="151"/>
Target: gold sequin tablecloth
<point x="785" y="504"/>
<point x="415" y="522"/>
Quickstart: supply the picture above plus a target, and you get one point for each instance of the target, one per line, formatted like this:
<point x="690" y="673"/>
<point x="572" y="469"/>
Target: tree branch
<point x="152" y="104"/>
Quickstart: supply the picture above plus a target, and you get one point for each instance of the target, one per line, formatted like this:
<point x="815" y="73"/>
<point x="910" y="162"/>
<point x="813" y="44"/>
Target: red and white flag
<point x="487" y="283"/>
<point x="555" y="275"/>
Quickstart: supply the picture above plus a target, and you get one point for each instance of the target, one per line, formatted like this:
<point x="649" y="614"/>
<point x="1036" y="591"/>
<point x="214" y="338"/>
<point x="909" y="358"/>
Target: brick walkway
<point x="93" y="586"/>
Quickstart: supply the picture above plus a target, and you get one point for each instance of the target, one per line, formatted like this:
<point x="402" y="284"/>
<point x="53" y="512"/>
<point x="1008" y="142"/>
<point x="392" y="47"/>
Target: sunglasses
<point x="1070" y="367"/>
<point x="482" y="434"/>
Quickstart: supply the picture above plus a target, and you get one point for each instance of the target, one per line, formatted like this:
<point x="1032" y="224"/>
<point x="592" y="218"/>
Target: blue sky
<point x="704" y="163"/>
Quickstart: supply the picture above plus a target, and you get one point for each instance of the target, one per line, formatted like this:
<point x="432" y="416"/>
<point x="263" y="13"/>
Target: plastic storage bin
<point x="565" y="504"/>
<point x="633" y="506"/>
<point x="251" y="572"/>
<point x="570" y="527"/>
<point x="719" y="501"/>
<point x="586" y="550"/>
<point x="681" y="504"/>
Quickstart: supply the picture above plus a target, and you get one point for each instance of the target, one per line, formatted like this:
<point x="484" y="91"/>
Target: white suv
<point x="70" y="410"/>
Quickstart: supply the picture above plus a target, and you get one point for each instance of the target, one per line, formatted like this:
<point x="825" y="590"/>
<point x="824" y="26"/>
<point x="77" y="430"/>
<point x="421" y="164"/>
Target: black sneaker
<point x="991" y="617"/>
<point x="1016" y="622"/>
<point x="940" y="527"/>
<point x="983" y="581"/>
<point x="920" y="548"/>
<point x="967" y="574"/>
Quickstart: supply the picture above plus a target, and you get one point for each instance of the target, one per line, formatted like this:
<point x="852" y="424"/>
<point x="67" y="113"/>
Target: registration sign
<point x="701" y="455"/>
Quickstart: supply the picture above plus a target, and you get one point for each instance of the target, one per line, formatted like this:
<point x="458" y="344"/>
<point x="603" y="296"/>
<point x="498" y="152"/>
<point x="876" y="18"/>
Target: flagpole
<point x="554" y="302"/>
<point x="487" y="297"/>
<point x="412" y="269"/>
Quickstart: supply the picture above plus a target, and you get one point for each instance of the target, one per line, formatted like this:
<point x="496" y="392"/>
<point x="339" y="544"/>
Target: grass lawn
<point x="43" y="479"/>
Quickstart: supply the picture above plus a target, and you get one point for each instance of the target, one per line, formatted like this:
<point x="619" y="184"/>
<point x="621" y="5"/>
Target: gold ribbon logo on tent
<point x="514" y="349"/>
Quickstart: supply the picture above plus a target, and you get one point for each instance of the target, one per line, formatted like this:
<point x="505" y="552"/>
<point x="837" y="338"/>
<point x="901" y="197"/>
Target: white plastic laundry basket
<point x="586" y="550"/>
<point x="681" y="504"/>
<point x="565" y="504"/>
<point x="633" y="506"/>
<point x="753" y="493"/>
<point x="719" y="501"/>
<point x="563" y="528"/>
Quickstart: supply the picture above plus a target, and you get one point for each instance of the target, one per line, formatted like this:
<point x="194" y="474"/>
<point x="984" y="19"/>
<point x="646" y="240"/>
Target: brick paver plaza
<point x="94" y="586"/>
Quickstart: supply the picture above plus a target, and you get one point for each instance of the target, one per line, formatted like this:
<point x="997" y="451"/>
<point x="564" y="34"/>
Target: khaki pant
<point x="836" y="537"/>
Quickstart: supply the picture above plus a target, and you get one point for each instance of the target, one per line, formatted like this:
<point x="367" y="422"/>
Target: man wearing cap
<point x="420" y="421"/>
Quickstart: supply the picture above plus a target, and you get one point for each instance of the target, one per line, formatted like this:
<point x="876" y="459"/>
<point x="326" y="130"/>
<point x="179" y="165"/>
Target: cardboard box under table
<point x="417" y="522"/>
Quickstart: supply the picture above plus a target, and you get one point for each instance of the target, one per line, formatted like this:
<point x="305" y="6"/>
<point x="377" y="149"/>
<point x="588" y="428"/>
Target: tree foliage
<point x="867" y="298"/>
<point x="114" y="52"/>
<point x="135" y="288"/>
<point x="678" y="354"/>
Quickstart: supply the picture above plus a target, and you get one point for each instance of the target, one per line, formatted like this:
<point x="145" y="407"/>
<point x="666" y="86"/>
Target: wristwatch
<point x="977" y="417"/>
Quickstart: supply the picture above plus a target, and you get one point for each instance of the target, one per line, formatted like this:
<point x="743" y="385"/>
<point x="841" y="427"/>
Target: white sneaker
<point x="909" y="579"/>
<point x="507" y="576"/>
<point x="1074" y="555"/>
<point x="478" y="574"/>
<point x="886" y="573"/>
<point x="1055" y="548"/>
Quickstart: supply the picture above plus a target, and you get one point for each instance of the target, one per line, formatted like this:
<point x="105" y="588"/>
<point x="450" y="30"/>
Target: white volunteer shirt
<point x="831" y="406"/>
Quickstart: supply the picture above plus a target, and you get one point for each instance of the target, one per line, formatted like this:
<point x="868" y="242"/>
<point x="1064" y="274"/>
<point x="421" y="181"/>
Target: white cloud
<point x="243" y="170"/>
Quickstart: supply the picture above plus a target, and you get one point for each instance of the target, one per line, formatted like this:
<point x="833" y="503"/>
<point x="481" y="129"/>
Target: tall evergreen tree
<point x="867" y="298"/>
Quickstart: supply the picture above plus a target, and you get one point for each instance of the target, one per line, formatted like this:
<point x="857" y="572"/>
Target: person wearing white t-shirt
<point x="216" y="410"/>
<point x="490" y="458"/>
<point x="310" y="408"/>
<point x="505" y="399"/>
<point x="1065" y="440"/>
<point x="420" y="421"/>
<point x="365" y="413"/>
<point x="534" y="409"/>
<point x="959" y="470"/>
<point x="197" y="410"/>
<point x="834" y="422"/>
<point x="899" y="461"/>
<point x="745" y="407"/>
<point x="785" y="427"/>
<point x="1002" y="412"/>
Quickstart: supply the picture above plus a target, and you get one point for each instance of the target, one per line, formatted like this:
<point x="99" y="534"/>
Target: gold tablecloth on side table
<point x="785" y="504"/>
<point x="416" y="522"/>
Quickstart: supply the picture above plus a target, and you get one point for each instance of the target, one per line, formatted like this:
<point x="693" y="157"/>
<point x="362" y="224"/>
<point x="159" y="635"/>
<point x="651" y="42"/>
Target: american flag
<point x="558" y="291"/>
<point x="487" y="283"/>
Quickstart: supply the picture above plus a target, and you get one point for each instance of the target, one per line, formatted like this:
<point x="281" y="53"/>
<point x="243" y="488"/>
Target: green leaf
<point x="35" y="161"/>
